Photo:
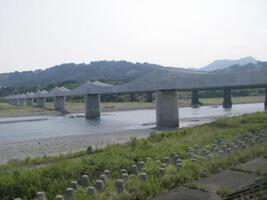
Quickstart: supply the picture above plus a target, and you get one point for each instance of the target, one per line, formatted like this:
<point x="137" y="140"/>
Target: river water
<point x="31" y="128"/>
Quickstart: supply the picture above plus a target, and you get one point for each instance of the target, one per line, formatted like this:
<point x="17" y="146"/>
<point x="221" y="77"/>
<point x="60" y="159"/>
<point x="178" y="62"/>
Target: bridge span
<point x="164" y="82"/>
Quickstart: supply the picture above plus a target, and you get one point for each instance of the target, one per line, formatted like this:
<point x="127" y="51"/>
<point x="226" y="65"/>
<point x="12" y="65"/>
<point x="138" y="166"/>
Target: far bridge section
<point x="164" y="82"/>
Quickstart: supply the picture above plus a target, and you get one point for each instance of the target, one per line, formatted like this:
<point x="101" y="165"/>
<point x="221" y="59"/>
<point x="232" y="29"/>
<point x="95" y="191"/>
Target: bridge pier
<point x="195" y="103"/>
<point x="22" y="102"/>
<point x="59" y="103"/>
<point x="149" y="97"/>
<point x="167" y="114"/>
<point x="132" y="97"/>
<point x="227" y="99"/>
<point x="41" y="101"/>
<point x="265" y="103"/>
<point x="29" y="101"/>
<point x="92" y="106"/>
<point x="16" y="102"/>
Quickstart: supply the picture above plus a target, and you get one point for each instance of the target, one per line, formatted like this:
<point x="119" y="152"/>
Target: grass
<point x="7" y="110"/>
<point x="25" y="178"/>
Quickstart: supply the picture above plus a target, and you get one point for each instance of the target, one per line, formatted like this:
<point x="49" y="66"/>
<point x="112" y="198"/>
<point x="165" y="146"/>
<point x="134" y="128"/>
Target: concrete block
<point x="107" y="173"/>
<point x="91" y="191"/>
<point x="69" y="194"/>
<point x="143" y="177"/>
<point x="120" y="185"/>
<point x="74" y="185"/>
<point x="59" y="197"/>
<point x="99" y="185"/>
<point x="85" y="181"/>
<point x="40" y="196"/>
<point x="125" y="177"/>
<point x="103" y="178"/>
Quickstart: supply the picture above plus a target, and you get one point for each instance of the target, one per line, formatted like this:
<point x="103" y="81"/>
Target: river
<point x="34" y="128"/>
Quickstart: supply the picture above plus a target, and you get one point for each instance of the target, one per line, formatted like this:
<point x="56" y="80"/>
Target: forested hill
<point x="248" y="67"/>
<point x="107" y="71"/>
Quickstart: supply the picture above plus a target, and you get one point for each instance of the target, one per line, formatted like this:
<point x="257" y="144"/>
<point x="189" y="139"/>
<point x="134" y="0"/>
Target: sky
<point x="180" y="33"/>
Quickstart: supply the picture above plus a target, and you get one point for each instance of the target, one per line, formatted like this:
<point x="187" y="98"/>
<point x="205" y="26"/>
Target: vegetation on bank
<point x="73" y="106"/>
<point x="54" y="174"/>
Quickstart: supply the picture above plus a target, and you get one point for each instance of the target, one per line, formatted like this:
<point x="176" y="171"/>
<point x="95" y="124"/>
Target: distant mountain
<point x="107" y="71"/>
<point x="246" y="67"/>
<point x="222" y="64"/>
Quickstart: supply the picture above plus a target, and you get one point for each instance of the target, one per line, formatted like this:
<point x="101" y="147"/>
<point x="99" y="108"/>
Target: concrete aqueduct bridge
<point x="166" y="83"/>
<point x="59" y="94"/>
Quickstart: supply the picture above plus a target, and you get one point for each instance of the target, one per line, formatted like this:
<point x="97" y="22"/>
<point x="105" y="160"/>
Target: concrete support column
<point x="265" y="103"/>
<point x="41" y="101"/>
<point x="22" y="102"/>
<point x="16" y="102"/>
<point x="149" y="97"/>
<point x="167" y="114"/>
<point x="132" y="97"/>
<point x="227" y="99"/>
<point x="59" y="103"/>
<point x="29" y="101"/>
<point x="195" y="99"/>
<point x="92" y="106"/>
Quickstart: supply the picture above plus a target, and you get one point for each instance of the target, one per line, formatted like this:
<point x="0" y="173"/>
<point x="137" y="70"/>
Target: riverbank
<point x="63" y="145"/>
<point x="7" y="110"/>
<point x="52" y="146"/>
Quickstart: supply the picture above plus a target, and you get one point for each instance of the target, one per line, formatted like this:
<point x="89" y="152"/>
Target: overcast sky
<point x="182" y="33"/>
